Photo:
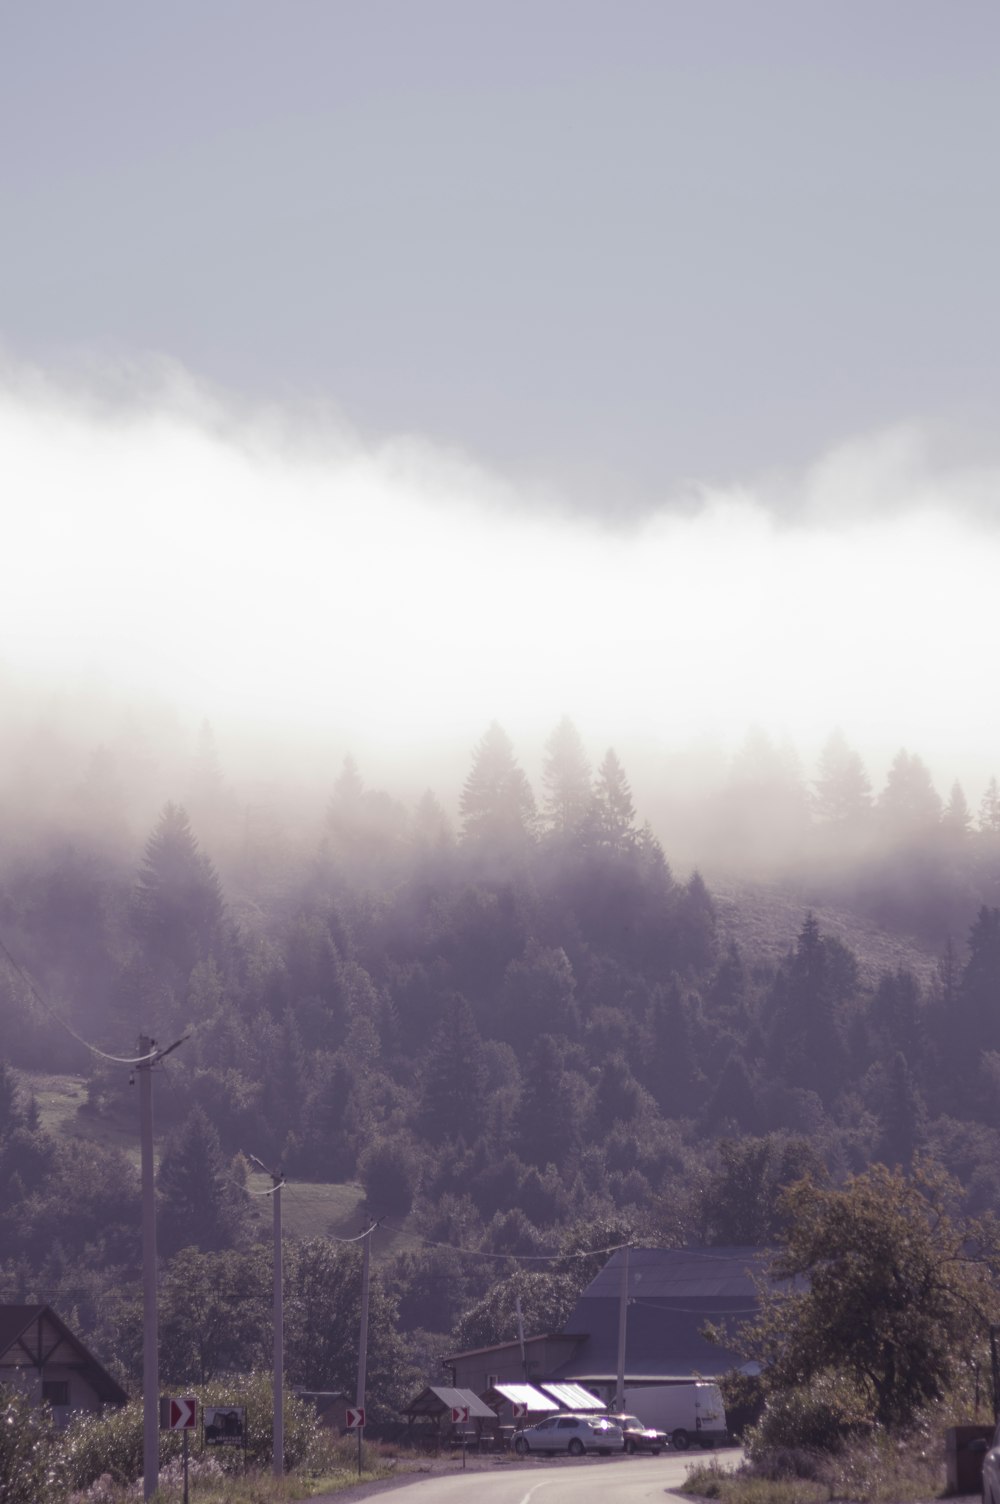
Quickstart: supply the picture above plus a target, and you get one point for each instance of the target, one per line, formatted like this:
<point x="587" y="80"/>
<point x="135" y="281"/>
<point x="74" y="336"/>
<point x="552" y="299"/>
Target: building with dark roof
<point x="43" y="1358"/>
<point x="672" y="1294"/>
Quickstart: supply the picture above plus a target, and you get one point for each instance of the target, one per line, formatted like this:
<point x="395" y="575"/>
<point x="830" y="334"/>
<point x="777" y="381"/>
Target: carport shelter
<point x="514" y="1401"/>
<point x="434" y="1405"/>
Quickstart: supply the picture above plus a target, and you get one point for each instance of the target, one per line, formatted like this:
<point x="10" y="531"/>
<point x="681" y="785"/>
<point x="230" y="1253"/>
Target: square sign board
<point x="225" y="1425"/>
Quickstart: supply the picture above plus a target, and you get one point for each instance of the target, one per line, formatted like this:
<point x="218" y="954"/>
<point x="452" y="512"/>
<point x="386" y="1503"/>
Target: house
<point x="672" y="1294"/>
<point x="481" y="1368"/>
<point x="41" y="1356"/>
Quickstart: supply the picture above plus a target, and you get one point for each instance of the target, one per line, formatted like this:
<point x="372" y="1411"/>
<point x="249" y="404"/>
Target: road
<point x="591" y="1480"/>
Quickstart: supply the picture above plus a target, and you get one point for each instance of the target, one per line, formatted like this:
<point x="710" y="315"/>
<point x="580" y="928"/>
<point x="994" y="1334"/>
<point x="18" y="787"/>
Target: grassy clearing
<point x="310" y="1209"/>
<point x="879" y="1472"/>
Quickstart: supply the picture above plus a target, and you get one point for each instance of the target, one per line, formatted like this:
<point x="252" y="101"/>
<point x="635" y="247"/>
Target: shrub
<point x="817" y="1419"/>
<point x="30" y="1469"/>
<point x="111" y="1444"/>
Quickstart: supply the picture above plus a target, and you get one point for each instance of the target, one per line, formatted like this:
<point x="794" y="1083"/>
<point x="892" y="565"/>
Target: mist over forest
<point x="505" y="1009"/>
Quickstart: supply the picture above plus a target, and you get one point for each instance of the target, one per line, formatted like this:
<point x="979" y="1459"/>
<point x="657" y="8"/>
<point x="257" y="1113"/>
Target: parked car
<point x="575" y="1434"/>
<point x="640" y="1438"/>
<point x="991" y="1467"/>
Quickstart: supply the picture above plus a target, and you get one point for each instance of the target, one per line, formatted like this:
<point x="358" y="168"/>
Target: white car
<point x="574" y="1434"/>
<point x="991" y="1467"/>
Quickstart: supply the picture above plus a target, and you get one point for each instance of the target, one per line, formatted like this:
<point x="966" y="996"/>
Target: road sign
<point x="356" y="1418"/>
<point x="518" y="1410"/>
<point x="178" y="1415"/>
<point x="225" y="1425"/>
<point x="459" y="1415"/>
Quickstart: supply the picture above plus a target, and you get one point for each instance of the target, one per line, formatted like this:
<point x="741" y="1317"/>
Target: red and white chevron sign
<point x="518" y="1411"/>
<point x="182" y="1415"/>
<point x="355" y="1419"/>
<point x="459" y="1415"/>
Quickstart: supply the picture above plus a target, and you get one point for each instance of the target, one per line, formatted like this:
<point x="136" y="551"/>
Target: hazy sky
<point x="404" y="362"/>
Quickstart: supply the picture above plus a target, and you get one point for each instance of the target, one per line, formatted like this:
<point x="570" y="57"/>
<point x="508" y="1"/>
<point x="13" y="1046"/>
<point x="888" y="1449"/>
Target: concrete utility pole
<point x="366" y="1255"/>
<point x="150" y="1355"/>
<point x="622" y="1327"/>
<point x="278" y="1463"/>
<point x="278" y="1444"/>
<point x="149" y="1056"/>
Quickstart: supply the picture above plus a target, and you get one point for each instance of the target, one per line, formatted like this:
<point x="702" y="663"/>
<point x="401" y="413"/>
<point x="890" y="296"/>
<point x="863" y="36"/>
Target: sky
<point x="374" y="369"/>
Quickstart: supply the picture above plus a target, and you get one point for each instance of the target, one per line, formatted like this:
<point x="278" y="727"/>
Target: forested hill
<point x="509" y="1029"/>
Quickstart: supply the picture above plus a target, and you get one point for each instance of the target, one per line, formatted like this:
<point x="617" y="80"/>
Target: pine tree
<point x="497" y="805"/>
<point x="453" y="1078"/>
<point x="548" y="1117"/>
<point x="843" y="797"/>
<point x="177" y="906"/>
<point x="989" y="809"/>
<point x="909" y="805"/>
<point x="613" y="812"/>
<point x="566" y="780"/>
<point x="956" y="822"/>
<point x="201" y="1206"/>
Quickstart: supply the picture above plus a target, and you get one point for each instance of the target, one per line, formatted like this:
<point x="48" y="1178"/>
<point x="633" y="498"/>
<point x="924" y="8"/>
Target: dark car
<point x="640" y="1438"/>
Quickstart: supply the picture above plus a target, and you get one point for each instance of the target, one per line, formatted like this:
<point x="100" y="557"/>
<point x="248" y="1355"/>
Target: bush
<point x="30" y="1468"/>
<point x="111" y="1444"/>
<point x="817" y="1419"/>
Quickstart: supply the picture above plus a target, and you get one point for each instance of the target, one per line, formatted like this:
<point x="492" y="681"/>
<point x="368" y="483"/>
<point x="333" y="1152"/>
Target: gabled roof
<point x="572" y="1396"/>
<point x="503" y="1347"/>
<point x="682" y="1274"/>
<point x="33" y="1335"/>
<point x="673" y="1293"/>
<point x="524" y="1394"/>
<point x="436" y="1400"/>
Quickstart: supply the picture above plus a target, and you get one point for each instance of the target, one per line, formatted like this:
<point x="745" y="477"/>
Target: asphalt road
<point x="591" y="1480"/>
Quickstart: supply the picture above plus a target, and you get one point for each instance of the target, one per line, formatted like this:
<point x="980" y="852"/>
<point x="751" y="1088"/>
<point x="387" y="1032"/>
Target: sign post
<point x="460" y="1417"/>
<point x="180" y="1415"/>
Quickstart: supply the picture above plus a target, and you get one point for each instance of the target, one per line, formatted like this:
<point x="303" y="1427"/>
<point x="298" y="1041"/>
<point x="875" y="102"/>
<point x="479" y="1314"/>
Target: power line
<point x="149" y="1059"/>
<point x="517" y="1258"/>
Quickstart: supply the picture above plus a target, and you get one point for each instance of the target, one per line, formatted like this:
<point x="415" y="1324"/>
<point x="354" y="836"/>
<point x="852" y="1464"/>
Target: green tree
<point x="177" y="905"/>
<point x="956" y="821"/>
<point x="202" y="1205"/>
<point x="843" y="792"/>
<point x="880" y="1286"/>
<point x="566" y="780"/>
<point x="453" y="1078"/>
<point x="215" y="1314"/>
<point x="989" y="809"/>
<point x="909" y="805"/>
<point x="612" y="809"/>
<point x="323" y="1326"/>
<point x="497" y="805"/>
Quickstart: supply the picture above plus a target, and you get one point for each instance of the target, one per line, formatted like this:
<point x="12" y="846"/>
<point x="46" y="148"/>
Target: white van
<point x="691" y="1414"/>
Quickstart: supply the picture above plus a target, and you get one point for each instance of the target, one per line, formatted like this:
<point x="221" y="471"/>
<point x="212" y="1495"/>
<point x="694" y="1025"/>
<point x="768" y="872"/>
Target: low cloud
<point x="265" y="567"/>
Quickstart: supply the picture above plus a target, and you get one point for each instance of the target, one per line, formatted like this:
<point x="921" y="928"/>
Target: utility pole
<point x="366" y="1254"/>
<point x="278" y="1461"/>
<point x="520" y="1336"/>
<point x="278" y="1444"/>
<point x="149" y="1056"/>
<point x="622" y="1327"/>
<point x="150" y="1356"/>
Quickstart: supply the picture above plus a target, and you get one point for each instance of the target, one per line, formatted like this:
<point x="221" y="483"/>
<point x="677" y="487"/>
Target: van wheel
<point x="576" y="1447"/>
<point x="680" y="1441"/>
<point x="520" y="1446"/>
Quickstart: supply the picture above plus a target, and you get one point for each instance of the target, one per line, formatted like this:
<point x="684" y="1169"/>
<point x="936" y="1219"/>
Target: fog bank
<point x="269" y="570"/>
